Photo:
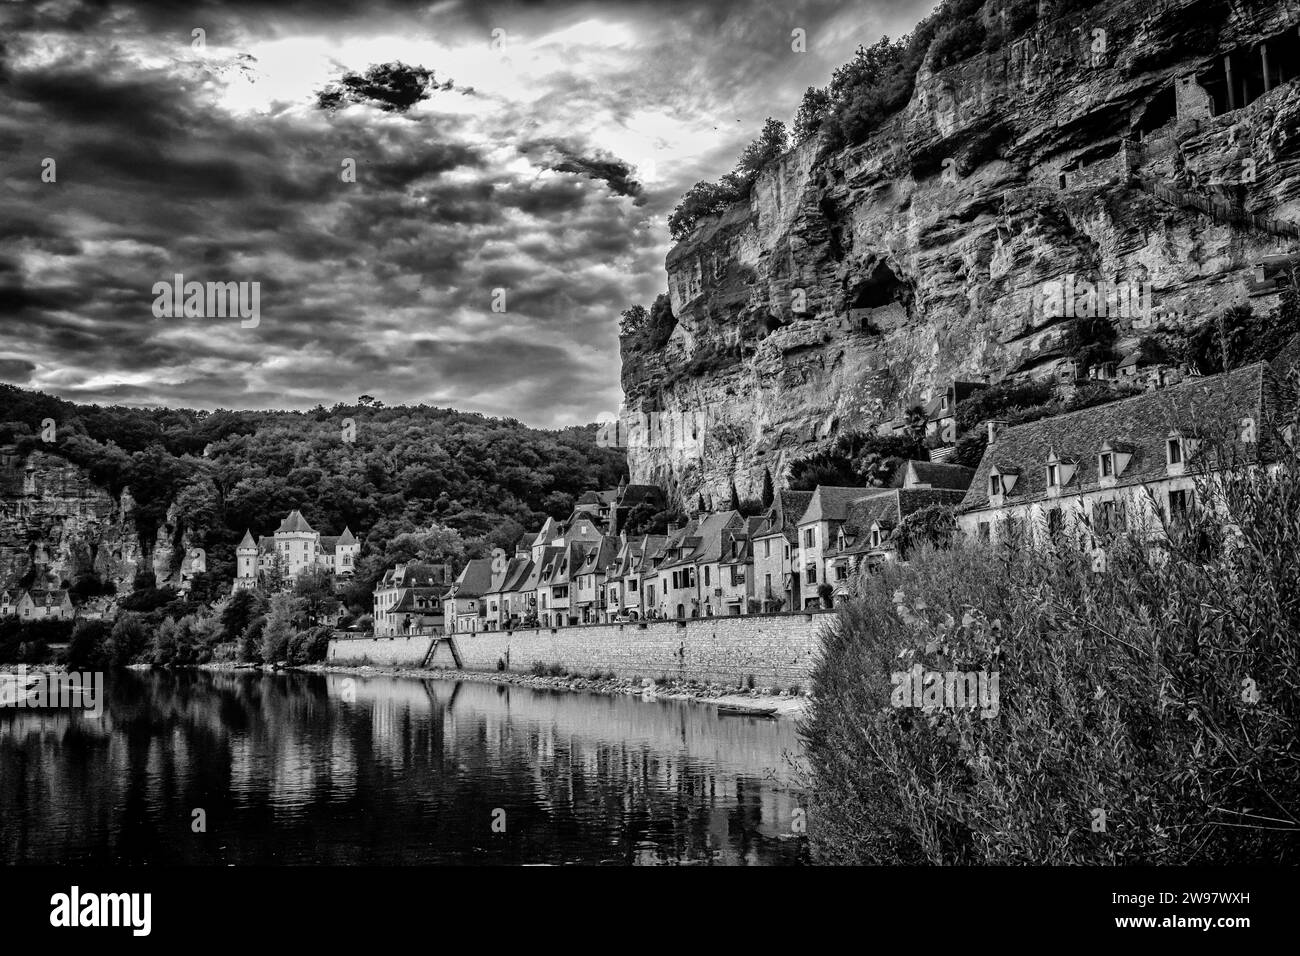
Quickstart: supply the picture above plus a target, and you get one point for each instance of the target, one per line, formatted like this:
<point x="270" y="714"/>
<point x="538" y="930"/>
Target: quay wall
<point x="776" y="650"/>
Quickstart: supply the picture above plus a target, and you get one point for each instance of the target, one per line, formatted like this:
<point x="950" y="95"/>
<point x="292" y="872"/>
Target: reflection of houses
<point x="410" y="597"/>
<point x="1103" y="469"/>
<point x="294" y="548"/>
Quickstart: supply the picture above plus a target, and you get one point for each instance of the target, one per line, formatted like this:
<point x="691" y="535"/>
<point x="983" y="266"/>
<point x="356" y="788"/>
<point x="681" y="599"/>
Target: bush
<point x="1163" y="693"/>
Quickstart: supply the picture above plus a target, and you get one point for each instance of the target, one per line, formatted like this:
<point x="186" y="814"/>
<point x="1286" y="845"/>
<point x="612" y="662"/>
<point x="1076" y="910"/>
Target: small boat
<point x="740" y="710"/>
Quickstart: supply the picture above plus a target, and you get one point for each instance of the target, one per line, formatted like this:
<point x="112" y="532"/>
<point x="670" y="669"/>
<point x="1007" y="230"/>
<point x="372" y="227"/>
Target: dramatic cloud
<point x="465" y="236"/>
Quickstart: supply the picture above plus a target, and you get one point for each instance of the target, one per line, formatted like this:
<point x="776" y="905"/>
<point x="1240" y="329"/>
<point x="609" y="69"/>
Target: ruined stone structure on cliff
<point x="856" y="283"/>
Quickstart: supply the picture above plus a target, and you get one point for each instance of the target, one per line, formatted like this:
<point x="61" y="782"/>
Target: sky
<point x="494" y="231"/>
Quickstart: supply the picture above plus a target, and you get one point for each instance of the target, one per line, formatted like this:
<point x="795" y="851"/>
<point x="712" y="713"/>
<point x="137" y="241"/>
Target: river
<point x="216" y="768"/>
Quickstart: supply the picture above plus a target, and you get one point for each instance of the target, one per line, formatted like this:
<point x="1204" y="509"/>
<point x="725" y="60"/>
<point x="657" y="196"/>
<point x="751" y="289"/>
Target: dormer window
<point x="1002" y="481"/>
<point x="1174" y="450"/>
<point x="875" y="537"/>
<point x="1112" y="461"/>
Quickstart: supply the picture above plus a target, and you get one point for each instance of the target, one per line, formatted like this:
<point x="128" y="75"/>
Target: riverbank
<point x="782" y="704"/>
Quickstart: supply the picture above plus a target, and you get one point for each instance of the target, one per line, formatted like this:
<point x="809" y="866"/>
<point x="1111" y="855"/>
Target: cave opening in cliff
<point x="877" y="297"/>
<point x="1160" y="111"/>
<point x="1243" y="75"/>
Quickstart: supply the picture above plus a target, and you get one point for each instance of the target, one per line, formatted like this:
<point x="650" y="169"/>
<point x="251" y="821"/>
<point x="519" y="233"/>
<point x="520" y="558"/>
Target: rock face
<point x="57" y="525"/>
<point x="856" y="282"/>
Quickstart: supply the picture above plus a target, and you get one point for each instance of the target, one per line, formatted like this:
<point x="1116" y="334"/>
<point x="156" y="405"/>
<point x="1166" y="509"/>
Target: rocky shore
<point x="780" y="702"/>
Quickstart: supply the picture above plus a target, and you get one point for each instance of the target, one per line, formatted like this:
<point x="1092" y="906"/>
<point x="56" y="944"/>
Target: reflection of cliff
<point x="57" y="525"/>
<point x="303" y="768"/>
<point x="853" y="283"/>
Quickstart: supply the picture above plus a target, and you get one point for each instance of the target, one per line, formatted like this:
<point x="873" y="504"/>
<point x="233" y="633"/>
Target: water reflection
<point x="308" y="768"/>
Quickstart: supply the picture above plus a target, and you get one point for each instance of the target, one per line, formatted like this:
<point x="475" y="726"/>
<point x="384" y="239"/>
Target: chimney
<point x="994" y="426"/>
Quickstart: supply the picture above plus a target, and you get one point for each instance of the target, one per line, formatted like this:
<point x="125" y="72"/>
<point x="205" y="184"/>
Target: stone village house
<point x="1120" y="466"/>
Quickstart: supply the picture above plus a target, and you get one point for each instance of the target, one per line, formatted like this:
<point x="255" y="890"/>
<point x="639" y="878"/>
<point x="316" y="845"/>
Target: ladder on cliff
<point x="433" y="649"/>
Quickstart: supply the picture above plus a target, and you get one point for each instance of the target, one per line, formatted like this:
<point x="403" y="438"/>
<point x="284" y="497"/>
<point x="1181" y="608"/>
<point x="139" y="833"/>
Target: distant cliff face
<point x="56" y="520"/>
<point x="857" y="282"/>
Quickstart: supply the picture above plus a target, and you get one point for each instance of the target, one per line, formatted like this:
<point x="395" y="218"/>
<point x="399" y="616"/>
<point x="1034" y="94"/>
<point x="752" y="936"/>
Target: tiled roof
<point x="416" y="574"/>
<point x="247" y="540"/>
<point x="889" y="509"/>
<point x="1205" y="407"/>
<point x="784" y="514"/>
<point x="347" y="537"/>
<point x="476" y="579"/>
<point x="831" y="502"/>
<point x="936" y="475"/>
<point x="294" y="524"/>
<point x="329" y="543"/>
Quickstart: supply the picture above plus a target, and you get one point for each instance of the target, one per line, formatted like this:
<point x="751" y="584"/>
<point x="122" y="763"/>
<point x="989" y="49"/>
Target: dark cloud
<point x="566" y="157"/>
<point x="386" y="284"/>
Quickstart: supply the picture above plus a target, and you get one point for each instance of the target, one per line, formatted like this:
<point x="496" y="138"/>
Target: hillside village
<point x="1127" y="464"/>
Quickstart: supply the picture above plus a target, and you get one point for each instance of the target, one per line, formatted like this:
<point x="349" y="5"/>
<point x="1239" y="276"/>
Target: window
<point x="1108" y="465"/>
<point x="1179" y="504"/>
<point x="984" y="530"/>
<point x="810" y="537"/>
<point x="706" y="576"/>
<point x="811" y="574"/>
<point x="1175" y="446"/>
<point x="631" y="585"/>
<point x="995" y="485"/>
<point x="1053" y="475"/>
<point x="767" y="584"/>
<point x="767" y="548"/>
<point x="875" y="537"/>
<point x="841" y="572"/>
<point x="737" y="577"/>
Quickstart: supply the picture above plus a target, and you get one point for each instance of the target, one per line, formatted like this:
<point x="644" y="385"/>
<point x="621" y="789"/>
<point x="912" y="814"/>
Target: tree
<point x="237" y="613"/>
<point x="633" y="321"/>
<point x="769" y="496"/>
<point x="284" y="608"/>
<point x="314" y="589"/>
<point x="812" y="113"/>
<point x="734" y="504"/>
<point x="935" y="525"/>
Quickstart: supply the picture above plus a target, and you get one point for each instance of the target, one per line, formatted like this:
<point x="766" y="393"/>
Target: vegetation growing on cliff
<point x="1145" y="715"/>
<point x="708" y="199"/>
<point x="856" y="460"/>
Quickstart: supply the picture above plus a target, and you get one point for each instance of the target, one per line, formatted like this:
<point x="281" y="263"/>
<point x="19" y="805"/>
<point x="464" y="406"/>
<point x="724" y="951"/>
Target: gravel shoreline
<point x="783" y="703"/>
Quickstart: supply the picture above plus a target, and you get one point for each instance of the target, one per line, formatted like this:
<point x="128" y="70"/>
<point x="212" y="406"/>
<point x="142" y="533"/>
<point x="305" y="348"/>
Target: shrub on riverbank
<point x="1145" y="714"/>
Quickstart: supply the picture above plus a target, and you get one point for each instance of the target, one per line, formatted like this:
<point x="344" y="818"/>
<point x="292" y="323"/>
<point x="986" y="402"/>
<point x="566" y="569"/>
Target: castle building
<point x="294" y="548"/>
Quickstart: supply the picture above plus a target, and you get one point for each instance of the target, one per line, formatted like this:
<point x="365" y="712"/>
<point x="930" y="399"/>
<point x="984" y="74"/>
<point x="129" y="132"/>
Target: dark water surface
<point x="311" y="768"/>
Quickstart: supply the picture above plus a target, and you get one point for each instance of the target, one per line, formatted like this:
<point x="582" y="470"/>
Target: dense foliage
<point x="1145" y="712"/>
<point x="406" y="470"/>
<point x="857" y="460"/>
<point x="708" y="199"/>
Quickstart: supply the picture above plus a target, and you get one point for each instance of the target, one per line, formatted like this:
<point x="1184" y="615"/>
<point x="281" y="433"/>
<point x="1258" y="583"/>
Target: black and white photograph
<point x="852" y="436"/>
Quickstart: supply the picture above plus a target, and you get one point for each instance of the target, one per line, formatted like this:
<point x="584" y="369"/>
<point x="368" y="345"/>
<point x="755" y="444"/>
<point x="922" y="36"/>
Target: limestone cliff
<point x="57" y="525"/>
<point x="857" y="281"/>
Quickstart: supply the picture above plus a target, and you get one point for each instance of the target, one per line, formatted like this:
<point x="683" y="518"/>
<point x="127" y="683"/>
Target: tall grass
<point x="1148" y="713"/>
